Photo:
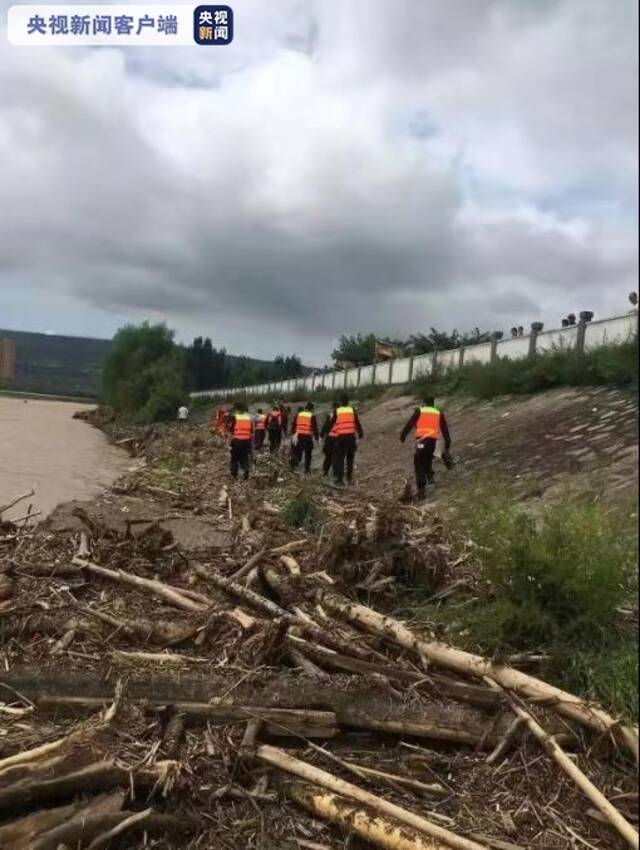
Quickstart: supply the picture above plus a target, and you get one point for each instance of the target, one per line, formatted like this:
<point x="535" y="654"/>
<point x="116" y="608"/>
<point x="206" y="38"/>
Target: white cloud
<point x="338" y="168"/>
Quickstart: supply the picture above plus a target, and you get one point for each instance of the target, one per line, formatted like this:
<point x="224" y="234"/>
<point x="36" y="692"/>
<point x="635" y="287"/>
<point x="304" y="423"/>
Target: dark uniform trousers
<point x="344" y="452"/>
<point x="258" y="439"/>
<point x="302" y="448"/>
<point x="275" y="438"/>
<point x="327" y="448"/>
<point x="240" y="457"/>
<point x="423" y="462"/>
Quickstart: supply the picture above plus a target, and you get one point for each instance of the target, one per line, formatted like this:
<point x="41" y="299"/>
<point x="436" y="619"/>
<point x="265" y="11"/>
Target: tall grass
<point x="610" y="365"/>
<point x="552" y="581"/>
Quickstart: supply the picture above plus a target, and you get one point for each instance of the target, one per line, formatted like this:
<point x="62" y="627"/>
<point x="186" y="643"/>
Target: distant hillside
<point x="71" y="365"/>
<point x="60" y="365"/>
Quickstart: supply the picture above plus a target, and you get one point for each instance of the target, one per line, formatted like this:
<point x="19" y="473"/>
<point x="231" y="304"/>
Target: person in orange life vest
<point x="274" y="428"/>
<point x="347" y="426"/>
<point x="260" y="429"/>
<point x="305" y="430"/>
<point x="241" y="430"/>
<point x="329" y="435"/>
<point x="429" y="425"/>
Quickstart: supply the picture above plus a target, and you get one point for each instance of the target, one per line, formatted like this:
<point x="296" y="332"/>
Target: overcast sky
<point x="355" y="165"/>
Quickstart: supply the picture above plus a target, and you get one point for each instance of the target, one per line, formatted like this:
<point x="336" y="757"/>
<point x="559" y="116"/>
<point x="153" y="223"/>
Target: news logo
<point x="213" y="25"/>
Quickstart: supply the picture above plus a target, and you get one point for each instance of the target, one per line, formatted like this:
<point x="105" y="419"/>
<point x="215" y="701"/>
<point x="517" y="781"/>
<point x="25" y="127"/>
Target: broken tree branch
<point x="279" y="758"/>
<point x="478" y="666"/>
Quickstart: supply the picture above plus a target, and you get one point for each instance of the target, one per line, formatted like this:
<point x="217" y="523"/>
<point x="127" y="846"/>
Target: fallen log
<point x="119" y="656"/>
<point x="97" y="777"/>
<point x="282" y="760"/>
<point x="156" y="588"/>
<point x="479" y="667"/>
<point x="573" y="771"/>
<point x="474" y="694"/>
<point x="381" y="831"/>
<point x="279" y="721"/>
<point x="40" y="829"/>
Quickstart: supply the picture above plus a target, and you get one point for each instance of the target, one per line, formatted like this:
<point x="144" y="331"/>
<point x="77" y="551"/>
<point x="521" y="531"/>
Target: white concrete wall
<point x="401" y="370"/>
<point x="610" y="331"/>
<point x="514" y="349"/>
<point x="605" y="331"/>
<point x="563" y="338"/>
<point x="478" y="353"/>
<point x="422" y="365"/>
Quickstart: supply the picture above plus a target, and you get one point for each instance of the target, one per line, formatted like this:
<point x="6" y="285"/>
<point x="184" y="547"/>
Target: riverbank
<point x="238" y="626"/>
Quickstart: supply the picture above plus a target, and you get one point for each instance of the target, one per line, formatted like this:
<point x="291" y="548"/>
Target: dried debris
<point x="242" y="686"/>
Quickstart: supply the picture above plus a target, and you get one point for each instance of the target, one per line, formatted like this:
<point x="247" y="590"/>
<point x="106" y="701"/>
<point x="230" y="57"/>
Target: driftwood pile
<point x="254" y="695"/>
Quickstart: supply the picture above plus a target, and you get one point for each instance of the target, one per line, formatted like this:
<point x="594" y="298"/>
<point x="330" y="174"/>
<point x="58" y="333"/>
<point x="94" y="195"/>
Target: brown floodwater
<point x="42" y="446"/>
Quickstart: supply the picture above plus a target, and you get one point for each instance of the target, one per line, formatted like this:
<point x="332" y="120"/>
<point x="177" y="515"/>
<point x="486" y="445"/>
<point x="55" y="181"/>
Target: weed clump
<point x="302" y="512"/>
<point x="558" y="577"/>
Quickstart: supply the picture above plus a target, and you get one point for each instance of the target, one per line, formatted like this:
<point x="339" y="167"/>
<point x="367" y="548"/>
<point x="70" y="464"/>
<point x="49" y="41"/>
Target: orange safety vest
<point x="345" y="421"/>
<point x="242" y="427"/>
<point x="260" y="422"/>
<point x="334" y="431"/>
<point x="428" y="424"/>
<point x="304" y="427"/>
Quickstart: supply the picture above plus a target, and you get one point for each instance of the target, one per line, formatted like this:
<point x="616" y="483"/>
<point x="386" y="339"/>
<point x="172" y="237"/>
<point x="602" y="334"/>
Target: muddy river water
<point x="42" y="446"/>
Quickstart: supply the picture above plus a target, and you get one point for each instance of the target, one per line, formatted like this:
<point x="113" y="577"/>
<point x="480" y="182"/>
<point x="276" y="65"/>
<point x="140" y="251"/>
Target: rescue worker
<point x="219" y="423"/>
<point x="347" y="426"/>
<point x="429" y="425"/>
<point x="329" y="435"/>
<point x="241" y="430"/>
<point x="274" y="428"/>
<point x="304" y="429"/>
<point x="260" y="429"/>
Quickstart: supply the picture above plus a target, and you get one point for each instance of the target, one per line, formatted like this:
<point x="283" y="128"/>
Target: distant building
<point x="7" y="359"/>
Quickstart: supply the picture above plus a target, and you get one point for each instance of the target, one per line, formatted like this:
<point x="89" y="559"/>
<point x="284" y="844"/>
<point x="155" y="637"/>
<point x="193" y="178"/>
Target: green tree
<point x="144" y="375"/>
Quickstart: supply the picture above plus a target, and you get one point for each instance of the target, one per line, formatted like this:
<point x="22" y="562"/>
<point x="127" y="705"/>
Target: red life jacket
<point x="260" y="422"/>
<point x="428" y="424"/>
<point x="242" y="426"/>
<point x="304" y="427"/>
<point x="345" y="421"/>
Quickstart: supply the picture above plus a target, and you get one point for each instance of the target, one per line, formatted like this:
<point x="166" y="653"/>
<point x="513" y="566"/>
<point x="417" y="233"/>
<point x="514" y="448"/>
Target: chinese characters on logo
<point x="82" y="25"/>
<point x="213" y="25"/>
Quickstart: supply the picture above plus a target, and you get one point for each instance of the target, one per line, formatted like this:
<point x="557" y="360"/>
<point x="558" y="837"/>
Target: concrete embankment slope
<point x="583" y="438"/>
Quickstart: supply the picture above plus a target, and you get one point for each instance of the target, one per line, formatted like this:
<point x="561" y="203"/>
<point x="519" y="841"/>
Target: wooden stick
<point x="504" y="744"/>
<point x="479" y="667"/>
<point x="583" y="782"/>
<point x="157" y="588"/>
<point x="395" y="778"/>
<point x="101" y="840"/>
<point x="15" y="501"/>
<point x="279" y="758"/>
<point x="373" y="828"/>
<point x="292" y="546"/>
<point x="291" y="565"/>
<point x="120" y="655"/>
<point x="251" y="563"/>
<point x="65" y="641"/>
<point x="266" y="606"/>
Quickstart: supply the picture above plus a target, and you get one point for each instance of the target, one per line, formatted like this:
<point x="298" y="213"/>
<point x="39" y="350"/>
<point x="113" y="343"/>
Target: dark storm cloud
<point x="470" y="163"/>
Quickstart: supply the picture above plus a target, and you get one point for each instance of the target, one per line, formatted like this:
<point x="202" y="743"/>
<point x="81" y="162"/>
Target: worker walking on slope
<point x="347" y="427"/>
<point x="260" y="429"/>
<point x="304" y="429"/>
<point x="429" y="425"/>
<point x="329" y="435"/>
<point x="274" y="428"/>
<point x="241" y="430"/>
